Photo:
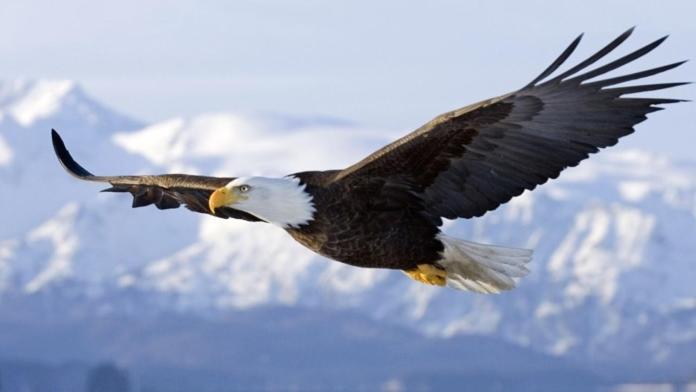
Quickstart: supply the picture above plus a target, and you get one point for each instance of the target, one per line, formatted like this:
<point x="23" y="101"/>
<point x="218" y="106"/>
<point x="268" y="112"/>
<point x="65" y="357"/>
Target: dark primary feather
<point x="471" y="160"/>
<point x="164" y="191"/>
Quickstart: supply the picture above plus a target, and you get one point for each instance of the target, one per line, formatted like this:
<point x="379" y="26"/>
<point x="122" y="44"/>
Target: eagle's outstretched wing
<point x="164" y="191"/>
<point x="469" y="161"/>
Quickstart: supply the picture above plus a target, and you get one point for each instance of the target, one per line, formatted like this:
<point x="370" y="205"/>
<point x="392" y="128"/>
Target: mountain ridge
<point x="603" y="233"/>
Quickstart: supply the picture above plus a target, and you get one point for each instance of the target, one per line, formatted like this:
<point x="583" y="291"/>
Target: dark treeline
<point x="18" y="375"/>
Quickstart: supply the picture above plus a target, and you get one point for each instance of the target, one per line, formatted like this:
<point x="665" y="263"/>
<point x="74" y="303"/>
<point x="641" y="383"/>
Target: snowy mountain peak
<point x="29" y="104"/>
<point x="28" y="101"/>
<point x="238" y="144"/>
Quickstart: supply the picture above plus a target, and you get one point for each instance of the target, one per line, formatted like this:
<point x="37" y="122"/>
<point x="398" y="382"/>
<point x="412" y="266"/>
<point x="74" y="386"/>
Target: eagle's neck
<point x="282" y="201"/>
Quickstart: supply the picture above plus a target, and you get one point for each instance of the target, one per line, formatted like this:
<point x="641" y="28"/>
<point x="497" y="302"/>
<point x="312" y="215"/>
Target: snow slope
<point x="612" y="275"/>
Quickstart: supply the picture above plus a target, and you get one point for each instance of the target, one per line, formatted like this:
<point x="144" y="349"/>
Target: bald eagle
<point x="386" y="210"/>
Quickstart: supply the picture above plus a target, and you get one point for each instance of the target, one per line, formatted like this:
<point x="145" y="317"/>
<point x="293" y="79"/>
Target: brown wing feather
<point x="164" y="191"/>
<point x="469" y="161"/>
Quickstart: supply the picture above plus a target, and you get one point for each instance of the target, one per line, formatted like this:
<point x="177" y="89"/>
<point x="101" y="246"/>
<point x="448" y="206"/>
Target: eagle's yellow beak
<point x="221" y="197"/>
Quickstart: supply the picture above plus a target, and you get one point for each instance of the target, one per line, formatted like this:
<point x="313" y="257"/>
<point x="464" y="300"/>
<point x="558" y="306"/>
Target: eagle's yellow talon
<point x="428" y="274"/>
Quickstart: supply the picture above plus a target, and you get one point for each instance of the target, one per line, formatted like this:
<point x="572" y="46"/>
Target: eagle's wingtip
<point x="59" y="147"/>
<point x="66" y="160"/>
<point x="56" y="139"/>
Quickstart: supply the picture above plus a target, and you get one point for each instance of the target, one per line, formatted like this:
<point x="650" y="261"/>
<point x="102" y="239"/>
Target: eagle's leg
<point x="428" y="274"/>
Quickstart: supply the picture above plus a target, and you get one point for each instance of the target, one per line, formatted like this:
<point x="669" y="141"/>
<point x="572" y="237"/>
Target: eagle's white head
<point x="281" y="201"/>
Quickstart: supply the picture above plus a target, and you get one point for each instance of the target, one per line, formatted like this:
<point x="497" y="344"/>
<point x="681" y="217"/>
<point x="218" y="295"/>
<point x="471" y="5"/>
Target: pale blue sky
<point x="388" y="64"/>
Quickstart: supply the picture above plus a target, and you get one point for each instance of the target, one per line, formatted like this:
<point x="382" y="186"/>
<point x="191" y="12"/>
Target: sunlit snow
<point x="5" y="152"/>
<point x="38" y="100"/>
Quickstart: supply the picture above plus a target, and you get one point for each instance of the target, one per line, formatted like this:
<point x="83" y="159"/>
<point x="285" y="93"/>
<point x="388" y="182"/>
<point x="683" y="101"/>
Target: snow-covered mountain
<point x="612" y="277"/>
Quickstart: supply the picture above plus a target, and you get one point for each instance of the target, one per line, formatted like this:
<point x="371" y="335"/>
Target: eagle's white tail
<point x="482" y="268"/>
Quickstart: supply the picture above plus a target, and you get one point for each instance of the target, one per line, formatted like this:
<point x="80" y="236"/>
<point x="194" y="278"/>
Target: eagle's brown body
<point x="363" y="230"/>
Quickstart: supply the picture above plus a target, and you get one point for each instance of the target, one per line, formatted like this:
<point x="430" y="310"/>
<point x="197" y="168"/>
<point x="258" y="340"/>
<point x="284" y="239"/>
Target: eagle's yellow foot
<point x="428" y="274"/>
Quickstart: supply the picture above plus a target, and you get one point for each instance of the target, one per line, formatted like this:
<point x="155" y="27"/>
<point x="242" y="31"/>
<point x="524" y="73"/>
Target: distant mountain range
<point x="276" y="348"/>
<point x="611" y="287"/>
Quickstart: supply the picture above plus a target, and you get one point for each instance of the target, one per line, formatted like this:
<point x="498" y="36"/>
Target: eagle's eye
<point x="244" y="188"/>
